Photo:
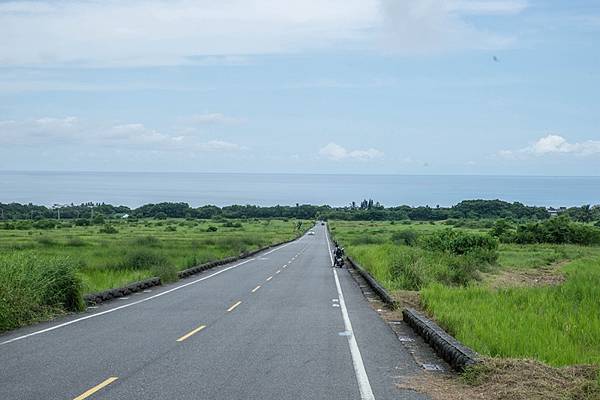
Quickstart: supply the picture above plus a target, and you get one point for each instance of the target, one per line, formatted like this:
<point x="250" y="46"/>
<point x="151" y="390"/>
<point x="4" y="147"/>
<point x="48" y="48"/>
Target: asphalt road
<point x="282" y="325"/>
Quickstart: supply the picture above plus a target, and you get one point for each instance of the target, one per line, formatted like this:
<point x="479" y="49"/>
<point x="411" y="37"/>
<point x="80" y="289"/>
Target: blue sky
<point x="339" y="86"/>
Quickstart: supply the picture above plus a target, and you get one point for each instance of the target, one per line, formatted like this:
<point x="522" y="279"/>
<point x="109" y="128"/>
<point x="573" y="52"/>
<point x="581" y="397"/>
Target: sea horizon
<point x="267" y="189"/>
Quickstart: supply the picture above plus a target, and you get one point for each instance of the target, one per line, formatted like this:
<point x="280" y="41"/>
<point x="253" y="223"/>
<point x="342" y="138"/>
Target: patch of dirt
<point x="510" y="379"/>
<point x="543" y="276"/>
<point x="408" y="298"/>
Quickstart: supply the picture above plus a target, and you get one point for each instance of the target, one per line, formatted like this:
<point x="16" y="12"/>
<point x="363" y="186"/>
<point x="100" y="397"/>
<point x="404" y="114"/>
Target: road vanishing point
<point x="281" y="325"/>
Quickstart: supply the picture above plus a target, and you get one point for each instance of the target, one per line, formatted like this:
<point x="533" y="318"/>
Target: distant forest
<point x="364" y="211"/>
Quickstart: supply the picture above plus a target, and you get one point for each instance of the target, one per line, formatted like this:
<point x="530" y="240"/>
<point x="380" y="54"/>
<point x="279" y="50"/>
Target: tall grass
<point x="559" y="324"/>
<point x="412" y="268"/>
<point x="33" y="288"/>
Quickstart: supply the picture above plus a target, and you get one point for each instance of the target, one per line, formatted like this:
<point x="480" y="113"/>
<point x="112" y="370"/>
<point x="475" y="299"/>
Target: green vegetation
<point x="557" y="324"/>
<point x="44" y="271"/>
<point x="491" y="294"/>
<point x="34" y="288"/>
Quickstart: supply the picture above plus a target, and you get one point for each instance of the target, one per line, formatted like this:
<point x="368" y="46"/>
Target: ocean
<point x="135" y="189"/>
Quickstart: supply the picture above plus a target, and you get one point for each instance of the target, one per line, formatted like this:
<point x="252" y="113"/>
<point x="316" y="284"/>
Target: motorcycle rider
<point x="338" y="256"/>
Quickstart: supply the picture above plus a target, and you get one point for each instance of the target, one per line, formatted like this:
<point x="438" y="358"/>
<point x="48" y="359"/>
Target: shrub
<point x="108" y="229"/>
<point x="171" y="228"/>
<point x="160" y="215"/>
<point x="8" y="226"/>
<point x="142" y="259"/>
<point x="212" y="229"/>
<point x="82" y="222"/>
<point x="408" y="237"/>
<point x="98" y="219"/>
<point x="35" y="288"/>
<point x="458" y="242"/>
<point x="560" y="230"/>
<point x="23" y="225"/>
<point x="232" y="224"/>
<point x="44" y="224"/>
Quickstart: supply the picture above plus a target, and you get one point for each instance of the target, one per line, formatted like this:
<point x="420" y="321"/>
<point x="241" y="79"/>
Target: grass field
<point x="35" y="263"/>
<point x="558" y="324"/>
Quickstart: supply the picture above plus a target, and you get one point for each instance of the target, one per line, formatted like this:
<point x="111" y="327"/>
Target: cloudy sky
<point x="353" y="86"/>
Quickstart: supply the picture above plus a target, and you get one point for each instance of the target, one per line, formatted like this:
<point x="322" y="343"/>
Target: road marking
<point x="255" y="289"/>
<point x="96" y="388"/>
<point x="281" y="247"/>
<point x="230" y="309"/>
<point x="125" y="305"/>
<point x="124" y="298"/>
<point x="278" y="271"/>
<point x="364" y="386"/>
<point x="142" y="300"/>
<point x="269" y="278"/>
<point x="187" y="335"/>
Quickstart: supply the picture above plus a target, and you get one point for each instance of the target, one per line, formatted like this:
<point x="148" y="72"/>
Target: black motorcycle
<point x="338" y="257"/>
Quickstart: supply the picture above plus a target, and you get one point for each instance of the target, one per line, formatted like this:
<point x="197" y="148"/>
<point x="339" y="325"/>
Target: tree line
<point x="366" y="210"/>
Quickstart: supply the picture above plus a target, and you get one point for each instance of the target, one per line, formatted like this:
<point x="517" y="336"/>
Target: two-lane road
<point x="281" y="325"/>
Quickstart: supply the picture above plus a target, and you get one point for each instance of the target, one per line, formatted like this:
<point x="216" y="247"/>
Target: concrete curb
<point x="451" y="350"/>
<point x="447" y="347"/>
<point x="99" y="297"/>
<point x="380" y="290"/>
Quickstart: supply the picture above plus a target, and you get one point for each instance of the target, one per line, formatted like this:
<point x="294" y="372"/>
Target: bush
<point x="98" y="219"/>
<point x="407" y="237"/>
<point x="560" y="230"/>
<point x="231" y="224"/>
<point x="35" y="288"/>
<point x="171" y="228"/>
<point x="212" y="229"/>
<point x="82" y="222"/>
<point x="44" y="224"/>
<point x="139" y="259"/>
<point x="459" y="243"/>
<point x="108" y="229"/>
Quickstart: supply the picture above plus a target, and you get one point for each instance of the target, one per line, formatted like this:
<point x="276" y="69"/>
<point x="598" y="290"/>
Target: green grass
<point x="34" y="288"/>
<point x="108" y="260"/>
<point x="559" y="325"/>
<point x="43" y="272"/>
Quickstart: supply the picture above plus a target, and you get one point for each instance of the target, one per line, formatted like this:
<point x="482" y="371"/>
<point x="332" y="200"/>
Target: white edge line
<point x="135" y="302"/>
<point x="364" y="386"/>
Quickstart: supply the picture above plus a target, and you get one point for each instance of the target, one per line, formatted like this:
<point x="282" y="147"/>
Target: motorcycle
<point x="338" y="257"/>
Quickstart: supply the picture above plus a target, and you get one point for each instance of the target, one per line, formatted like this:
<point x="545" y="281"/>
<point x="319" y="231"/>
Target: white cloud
<point x="133" y="136"/>
<point x="554" y="144"/>
<point x="336" y="152"/>
<point x="160" y="32"/>
<point x="426" y="26"/>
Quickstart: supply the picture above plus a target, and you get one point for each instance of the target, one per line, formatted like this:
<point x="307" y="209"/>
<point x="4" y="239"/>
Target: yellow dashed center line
<point x="234" y="306"/>
<point x="96" y="388"/>
<point x="187" y="335"/>
<point x="255" y="289"/>
<point x="269" y="278"/>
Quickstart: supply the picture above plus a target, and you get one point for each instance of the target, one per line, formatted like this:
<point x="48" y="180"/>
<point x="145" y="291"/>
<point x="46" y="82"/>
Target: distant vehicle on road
<point x="311" y="233"/>
<point x="322" y="223"/>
